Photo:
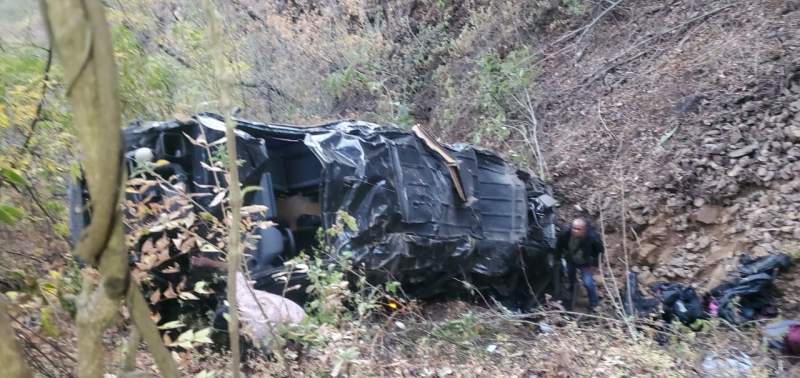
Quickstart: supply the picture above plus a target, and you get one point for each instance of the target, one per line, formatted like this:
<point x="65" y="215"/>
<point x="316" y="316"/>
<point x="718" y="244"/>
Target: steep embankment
<point x="695" y="107"/>
<point x="684" y="113"/>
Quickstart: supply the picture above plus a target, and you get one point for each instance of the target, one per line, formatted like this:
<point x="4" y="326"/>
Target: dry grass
<point x="463" y="340"/>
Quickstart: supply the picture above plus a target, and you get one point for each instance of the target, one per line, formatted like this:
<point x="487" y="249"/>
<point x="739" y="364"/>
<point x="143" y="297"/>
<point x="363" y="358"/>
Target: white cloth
<point x="255" y="304"/>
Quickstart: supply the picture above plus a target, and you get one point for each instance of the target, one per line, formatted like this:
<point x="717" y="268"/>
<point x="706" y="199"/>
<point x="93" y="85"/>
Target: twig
<point x="133" y="347"/>
<point x="10" y="352"/>
<point x="53" y="345"/>
<point x="603" y="122"/>
<point x="531" y="134"/>
<point x="37" y="201"/>
<point x="609" y="66"/>
<point x="34" y="258"/>
<point x="40" y="106"/>
<point x="614" y="296"/>
<point x="588" y="27"/>
<point x="30" y="345"/>
<point x="628" y="290"/>
<point x="140" y="315"/>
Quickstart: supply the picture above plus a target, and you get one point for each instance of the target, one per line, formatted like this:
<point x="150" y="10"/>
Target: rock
<point x="746" y="150"/>
<point x="708" y="214"/>
<point x="646" y="278"/>
<point x="790" y="187"/>
<point x="714" y="149"/>
<point x="735" y="171"/>
<point x="654" y="233"/>
<point x="688" y="104"/>
<point x="648" y="253"/>
<point x="751" y="106"/>
<point x="674" y="202"/>
<point x="760" y="251"/>
<point x="703" y="242"/>
<point x="735" y="136"/>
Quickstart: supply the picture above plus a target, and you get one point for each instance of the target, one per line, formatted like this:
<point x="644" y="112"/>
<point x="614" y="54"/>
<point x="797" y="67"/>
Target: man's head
<point x="578" y="227"/>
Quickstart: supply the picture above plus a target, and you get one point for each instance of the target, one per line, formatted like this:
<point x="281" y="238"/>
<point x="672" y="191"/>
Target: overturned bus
<point x="428" y="215"/>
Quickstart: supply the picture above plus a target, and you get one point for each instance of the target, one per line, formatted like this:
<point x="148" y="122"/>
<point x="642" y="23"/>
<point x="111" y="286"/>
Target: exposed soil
<point x="689" y="111"/>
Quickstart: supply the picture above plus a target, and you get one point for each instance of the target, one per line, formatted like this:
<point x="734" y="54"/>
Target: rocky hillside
<point x="681" y="115"/>
<point x="685" y="114"/>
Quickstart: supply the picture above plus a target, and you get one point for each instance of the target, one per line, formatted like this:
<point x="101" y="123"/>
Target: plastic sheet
<point x="427" y="215"/>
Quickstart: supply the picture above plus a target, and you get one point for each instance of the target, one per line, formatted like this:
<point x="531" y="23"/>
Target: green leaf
<point x="61" y="229"/>
<point x="202" y="336"/>
<point x="10" y="214"/>
<point x="391" y="287"/>
<point x="201" y="287"/>
<point x="48" y="326"/>
<point x="12" y="175"/>
<point x="206" y="374"/>
<point x="186" y="336"/>
<point x="248" y="189"/>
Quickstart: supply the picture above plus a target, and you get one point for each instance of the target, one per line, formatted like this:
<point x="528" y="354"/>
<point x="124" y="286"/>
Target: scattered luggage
<point x="750" y="295"/>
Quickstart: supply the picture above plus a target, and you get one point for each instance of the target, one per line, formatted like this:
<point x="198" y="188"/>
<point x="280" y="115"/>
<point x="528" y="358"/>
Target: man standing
<point x="581" y="247"/>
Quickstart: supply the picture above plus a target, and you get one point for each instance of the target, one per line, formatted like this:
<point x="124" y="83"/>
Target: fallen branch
<point x="56" y="347"/>
<point x="40" y="106"/>
<point x="608" y="66"/>
<point x="25" y="255"/>
<point x="588" y="27"/>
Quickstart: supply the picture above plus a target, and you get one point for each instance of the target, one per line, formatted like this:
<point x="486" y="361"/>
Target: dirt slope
<point x="695" y="106"/>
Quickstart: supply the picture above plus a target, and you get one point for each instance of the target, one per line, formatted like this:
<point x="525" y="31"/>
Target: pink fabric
<point x="792" y="340"/>
<point x="713" y="308"/>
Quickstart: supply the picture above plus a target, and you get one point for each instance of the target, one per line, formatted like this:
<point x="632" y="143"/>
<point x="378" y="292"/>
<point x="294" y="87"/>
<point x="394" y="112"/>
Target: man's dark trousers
<point x="586" y="279"/>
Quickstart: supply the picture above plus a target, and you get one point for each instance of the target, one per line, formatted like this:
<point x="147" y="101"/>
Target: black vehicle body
<point x="426" y="218"/>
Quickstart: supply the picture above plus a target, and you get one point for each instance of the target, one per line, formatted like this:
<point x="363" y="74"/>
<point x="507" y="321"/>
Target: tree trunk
<point x="10" y="355"/>
<point x="223" y="75"/>
<point x="80" y="35"/>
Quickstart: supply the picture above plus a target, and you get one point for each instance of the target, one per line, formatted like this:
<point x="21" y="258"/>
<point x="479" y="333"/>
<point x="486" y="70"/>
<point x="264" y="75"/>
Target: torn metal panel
<point x="428" y="215"/>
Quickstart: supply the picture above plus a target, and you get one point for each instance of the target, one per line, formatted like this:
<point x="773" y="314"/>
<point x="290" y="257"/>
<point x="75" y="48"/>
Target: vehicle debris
<point x="428" y="215"/>
<point x="748" y="296"/>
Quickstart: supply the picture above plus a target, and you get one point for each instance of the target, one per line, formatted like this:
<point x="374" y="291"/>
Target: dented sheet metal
<point x="428" y="215"/>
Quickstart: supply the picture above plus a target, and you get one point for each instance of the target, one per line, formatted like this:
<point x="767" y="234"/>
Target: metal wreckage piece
<point x="428" y="215"/>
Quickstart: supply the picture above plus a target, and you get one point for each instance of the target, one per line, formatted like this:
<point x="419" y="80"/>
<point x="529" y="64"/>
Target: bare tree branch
<point x="140" y="314"/>
<point x="40" y="106"/>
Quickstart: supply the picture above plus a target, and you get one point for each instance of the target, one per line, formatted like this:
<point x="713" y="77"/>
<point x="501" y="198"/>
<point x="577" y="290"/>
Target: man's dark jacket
<point x="591" y="246"/>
